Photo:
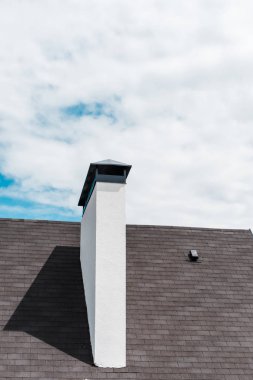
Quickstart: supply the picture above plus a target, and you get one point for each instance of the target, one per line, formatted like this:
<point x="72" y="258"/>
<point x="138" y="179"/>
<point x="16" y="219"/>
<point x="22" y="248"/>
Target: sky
<point x="166" y="86"/>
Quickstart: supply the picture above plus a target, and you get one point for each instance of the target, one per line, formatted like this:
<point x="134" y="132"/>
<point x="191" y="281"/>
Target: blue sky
<point x="163" y="85"/>
<point x="95" y="110"/>
<point x="15" y="207"/>
<point x="5" y="181"/>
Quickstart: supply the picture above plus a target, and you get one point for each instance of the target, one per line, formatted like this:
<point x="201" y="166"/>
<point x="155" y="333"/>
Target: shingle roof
<point x="184" y="320"/>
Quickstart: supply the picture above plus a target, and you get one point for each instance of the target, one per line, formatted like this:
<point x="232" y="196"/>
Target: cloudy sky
<point x="166" y="86"/>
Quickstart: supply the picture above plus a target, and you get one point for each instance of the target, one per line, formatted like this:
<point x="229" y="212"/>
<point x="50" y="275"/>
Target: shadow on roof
<point x="53" y="309"/>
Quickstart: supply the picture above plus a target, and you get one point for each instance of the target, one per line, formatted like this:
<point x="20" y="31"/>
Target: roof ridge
<point x="129" y="225"/>
<point x="187" y="228"/>
<point x="36" y="220"/>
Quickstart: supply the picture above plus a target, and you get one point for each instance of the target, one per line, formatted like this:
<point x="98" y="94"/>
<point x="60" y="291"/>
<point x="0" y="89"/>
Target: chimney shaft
<point x="103" y="260"/>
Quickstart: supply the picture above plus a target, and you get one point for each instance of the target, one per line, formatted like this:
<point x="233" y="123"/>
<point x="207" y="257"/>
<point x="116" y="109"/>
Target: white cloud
<point x="178" y="77"/>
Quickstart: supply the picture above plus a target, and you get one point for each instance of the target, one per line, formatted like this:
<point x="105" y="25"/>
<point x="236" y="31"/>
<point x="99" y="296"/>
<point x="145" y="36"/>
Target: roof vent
<point x="193" y="255"/>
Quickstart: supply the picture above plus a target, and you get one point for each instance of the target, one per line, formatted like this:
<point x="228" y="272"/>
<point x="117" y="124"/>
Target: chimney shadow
<point x="53" y="309"/>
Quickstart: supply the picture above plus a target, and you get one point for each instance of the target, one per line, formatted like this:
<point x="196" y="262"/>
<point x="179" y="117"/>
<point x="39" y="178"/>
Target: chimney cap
<point x="111" y="162"/>
<point x="103" y="171"/>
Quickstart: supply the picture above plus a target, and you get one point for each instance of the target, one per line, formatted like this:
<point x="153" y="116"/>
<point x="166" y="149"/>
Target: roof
<point x="185" y="320"/>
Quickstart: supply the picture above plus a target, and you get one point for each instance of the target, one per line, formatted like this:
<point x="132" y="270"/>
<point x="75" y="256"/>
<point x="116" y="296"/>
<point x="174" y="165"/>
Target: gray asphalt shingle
<point x="185" y="320"/>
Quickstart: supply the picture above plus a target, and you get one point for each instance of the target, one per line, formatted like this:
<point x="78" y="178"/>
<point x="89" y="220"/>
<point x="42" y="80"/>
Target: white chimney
<point x="103" y="260"/>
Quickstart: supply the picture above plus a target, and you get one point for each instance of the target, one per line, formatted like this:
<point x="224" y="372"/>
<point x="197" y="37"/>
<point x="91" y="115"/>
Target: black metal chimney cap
<point x="103" y="171"/>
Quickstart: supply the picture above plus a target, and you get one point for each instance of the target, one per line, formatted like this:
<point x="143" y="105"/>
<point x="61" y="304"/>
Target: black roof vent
<point x="193" y="255"/>
<point x="103" y="171"/>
